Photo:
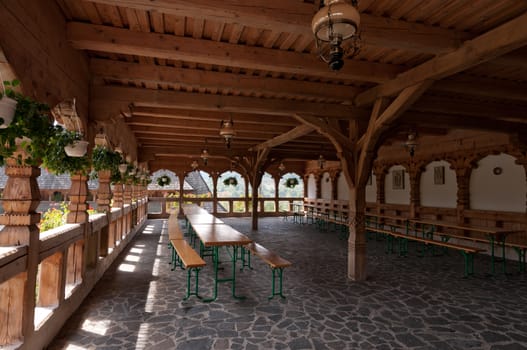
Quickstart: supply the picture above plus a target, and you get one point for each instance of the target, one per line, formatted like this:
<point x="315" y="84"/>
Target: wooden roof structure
<point x="172" y="70"/>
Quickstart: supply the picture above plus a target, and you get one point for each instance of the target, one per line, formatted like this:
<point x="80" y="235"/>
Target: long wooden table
<point x="221" y="235"/>
<point x="213" y="233"/>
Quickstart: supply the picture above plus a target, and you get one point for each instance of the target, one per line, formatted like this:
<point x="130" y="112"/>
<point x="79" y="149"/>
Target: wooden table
<point x="494" y="235"/>
<point x="221" y="235"/>
<point x="189" y="209"/>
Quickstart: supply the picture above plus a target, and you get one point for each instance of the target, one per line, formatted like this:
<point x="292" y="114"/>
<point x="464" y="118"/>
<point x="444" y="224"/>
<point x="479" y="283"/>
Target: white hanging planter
<point x="77" y="148"/>
<point x="7" y="111"/>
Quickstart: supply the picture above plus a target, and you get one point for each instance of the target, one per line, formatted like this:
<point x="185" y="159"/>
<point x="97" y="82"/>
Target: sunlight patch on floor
<point x="127" y="268"/>
<point x="97" y="327"/>
<point x="132" y="258"/>
<point x="75" y="347"/>
<point x="151" y="296"/>
<point x="142" y="336"/>
<point x="136" y="250"/>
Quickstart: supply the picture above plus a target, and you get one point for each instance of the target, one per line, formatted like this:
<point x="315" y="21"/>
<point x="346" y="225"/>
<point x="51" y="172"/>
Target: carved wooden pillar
<point x="318" y="180"/>
<point x="357" y="238"/>
<point x="215" y="177"/>
<point x="276" y="184"/>
<point x="88" y="249"/>
<point x="463" y="168"/>
<point x="104" y="193"/>
<point x="104" y="196"/>
<point x="17" y="295"/>
<point x="379" y="170"/>
<point x="118" y="203"/>
<point x="127" y="200"/>
<point x="181" y="184"/>
<point x="306" y="182"/>
<point x="414" y="171"/>
<point x="334" y="176"/>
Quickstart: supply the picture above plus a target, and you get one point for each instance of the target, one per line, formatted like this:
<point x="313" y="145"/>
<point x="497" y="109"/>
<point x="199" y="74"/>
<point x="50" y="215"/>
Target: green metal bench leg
<point x="246" y="262"/>
<point x="196" y="285"/>
<point x="521" y="257"/>
<point x="469" y="263"/>
<point x="176" y="261"/>
<point x="280" y="279"/>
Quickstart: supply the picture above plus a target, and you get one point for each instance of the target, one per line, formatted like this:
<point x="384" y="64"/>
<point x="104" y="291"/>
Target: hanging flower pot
<point x="7" y="111"/>
<point x="8" y="102"/>
<point x="77" y="148"/>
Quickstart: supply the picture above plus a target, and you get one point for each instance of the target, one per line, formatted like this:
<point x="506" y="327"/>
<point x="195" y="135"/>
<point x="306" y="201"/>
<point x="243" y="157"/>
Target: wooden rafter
<point x="143" y="73"/>
<point x="322" y="126"/>
<point x="297" y="132"/>
<point x="277" y="14"/>
<point x="122" y="41"/>
<point x="159" y="98"/>
<point x="494" y="43"/>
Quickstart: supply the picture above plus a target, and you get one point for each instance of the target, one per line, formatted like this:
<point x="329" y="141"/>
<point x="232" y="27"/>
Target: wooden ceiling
<point x="173" y="69"/>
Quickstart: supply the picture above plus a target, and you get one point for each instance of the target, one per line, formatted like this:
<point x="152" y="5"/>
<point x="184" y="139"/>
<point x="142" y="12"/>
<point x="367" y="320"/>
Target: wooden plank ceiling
<point x="174" y="69"/>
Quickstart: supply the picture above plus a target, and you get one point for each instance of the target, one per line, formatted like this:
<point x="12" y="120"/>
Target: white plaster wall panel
<point x="437" y="192"/>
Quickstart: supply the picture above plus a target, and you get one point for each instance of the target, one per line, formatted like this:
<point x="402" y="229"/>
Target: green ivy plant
<point x="32" y="120"/>
<point x="55" y="158"/>
<point x="105" y="159"/>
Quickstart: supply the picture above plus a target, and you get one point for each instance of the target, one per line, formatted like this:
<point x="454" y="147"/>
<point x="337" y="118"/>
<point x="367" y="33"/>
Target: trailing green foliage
<point x="57" y="161"/>
<point x="106" y="159"/>
<point x="32" y="120"/>
<point x="163" y="181"/>
<point x="54" y="217"/>
<point x="230" y="181"/>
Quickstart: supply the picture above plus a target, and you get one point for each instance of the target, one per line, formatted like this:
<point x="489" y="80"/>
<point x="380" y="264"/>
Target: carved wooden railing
<point x="71" y="259"/>
<point x="231" y="206"/>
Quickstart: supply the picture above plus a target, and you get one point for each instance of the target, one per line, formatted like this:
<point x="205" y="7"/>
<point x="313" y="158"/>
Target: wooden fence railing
<point x="71" y="259"/>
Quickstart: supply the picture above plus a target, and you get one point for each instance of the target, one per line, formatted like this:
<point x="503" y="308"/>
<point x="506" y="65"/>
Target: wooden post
<point x="17" y="295"/>
<point x="414" y="171"/>
<point x="357" y="238"/>
<point x="78" y="196"/>
<point x="181" y="188"/>
<point x="380" y="179"/>
<point x="118" y="203"/>
<point x="104" y="196"/>
<point x="215" y="177"/>
<point x="127" y="200"/>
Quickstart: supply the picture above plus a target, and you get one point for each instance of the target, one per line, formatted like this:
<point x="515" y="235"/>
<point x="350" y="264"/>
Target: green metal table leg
<point x="469" y="263"/>
<point x="215" y="263"/>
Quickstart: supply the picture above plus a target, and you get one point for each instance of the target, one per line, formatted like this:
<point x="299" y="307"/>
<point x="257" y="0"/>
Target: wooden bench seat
<point x="467" y="251"/>
<point x="275" y="262"/>
<point x="184" y="256"/>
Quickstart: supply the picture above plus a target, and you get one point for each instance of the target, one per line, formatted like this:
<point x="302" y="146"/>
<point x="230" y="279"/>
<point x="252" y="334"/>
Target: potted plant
<point x="57" y="159"/>
<point x="30" y="131"/>
<point x="77" y="147"/>
<point x="7" y="102"/>
<point x="230" y="181"/>
<point x="104" y="159"/>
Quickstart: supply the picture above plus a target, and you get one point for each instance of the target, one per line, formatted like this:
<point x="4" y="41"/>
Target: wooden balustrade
<point x="279" y="205"/>
<point x="65" y="277"/>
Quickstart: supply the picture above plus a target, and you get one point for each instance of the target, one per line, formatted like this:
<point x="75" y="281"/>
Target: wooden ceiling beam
<point x="216" y="116"/>
<point x="151" y="74"/>
<point x="123" y="41"/>
<point x="263" y="127"/>
<point x="297" y="132"/>
<point x="160" y="98"/>
<point x="285" y="16"/>
<point x="483" y="87"/>
<point x="485" y="47"/>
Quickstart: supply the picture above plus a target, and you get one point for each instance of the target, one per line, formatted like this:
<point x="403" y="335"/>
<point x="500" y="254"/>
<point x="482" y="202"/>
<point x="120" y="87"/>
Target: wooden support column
<point x="306" y="182"/>
<point x="379" y="170"/>
<point x="127" y="200"/>
<point x="334" y="176"/>
<point x="118" y="203"/>
<point x="215" y="176"/>
<point x="414" y="171"/>
<point x="181" y="189"/>
<point x="254" y="167"/>
<point x="78" y="196"/>
<point x="21" y="198"/>
<point x="463" y="167"/>
<point x="104" y="196"/>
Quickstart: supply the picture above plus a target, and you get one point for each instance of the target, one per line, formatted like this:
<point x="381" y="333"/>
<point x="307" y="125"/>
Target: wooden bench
<point x="174" y="232"/>
<point x="275" y="262"/>
<point x="184" y="256"/>
<point x="467" y="251"/>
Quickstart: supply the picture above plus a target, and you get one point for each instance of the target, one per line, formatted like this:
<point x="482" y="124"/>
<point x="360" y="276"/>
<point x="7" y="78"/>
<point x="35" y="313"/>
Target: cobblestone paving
<point x="406" y="303"/>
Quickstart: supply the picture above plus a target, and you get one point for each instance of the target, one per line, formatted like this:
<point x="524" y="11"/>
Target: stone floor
<point x="406" y="303"/>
